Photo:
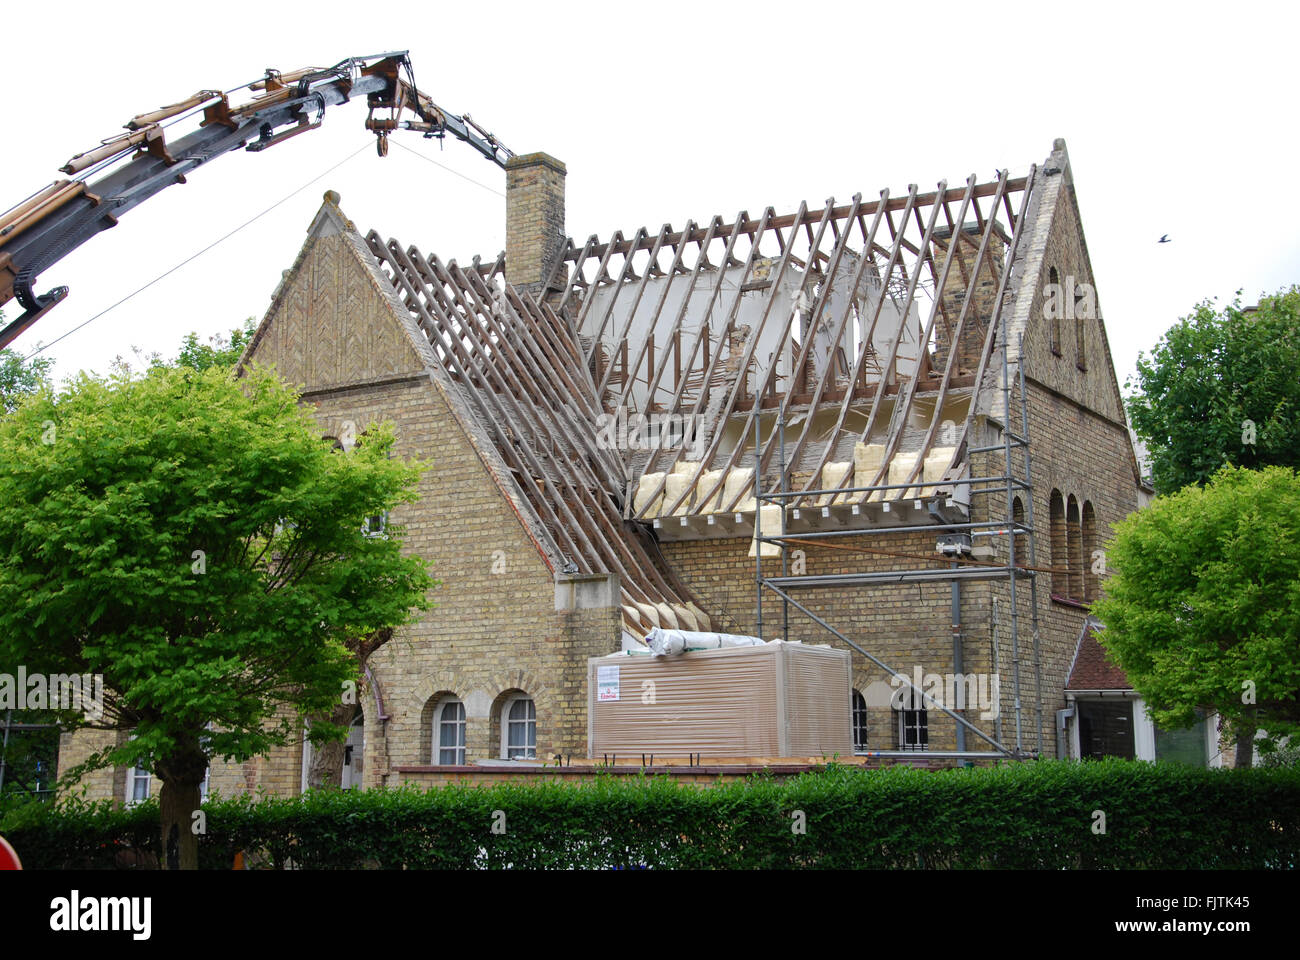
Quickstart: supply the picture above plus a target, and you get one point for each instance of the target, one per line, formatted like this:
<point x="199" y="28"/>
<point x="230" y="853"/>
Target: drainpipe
<point x="1061" y="717"/>
<point x="956" y="653"/>
<point x="383" y="724"/>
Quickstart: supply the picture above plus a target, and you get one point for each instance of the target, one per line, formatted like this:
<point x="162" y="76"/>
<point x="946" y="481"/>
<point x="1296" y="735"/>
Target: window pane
<point x="1183" y="746"/>
<point x="451" y="733"/>
<point x="521" y="730"/>
<point x="1106" y="729"/>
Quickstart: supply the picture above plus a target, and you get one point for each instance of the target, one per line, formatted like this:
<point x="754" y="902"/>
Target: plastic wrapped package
<point x="773" y="700"/>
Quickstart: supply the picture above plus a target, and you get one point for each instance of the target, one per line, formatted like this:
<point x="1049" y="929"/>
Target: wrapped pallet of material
<point x="833" y="475"/>
<point x="648" y="484"/>
<point x="708" y="480"/>
<point x="867" y="461"/>
<point x="675" y="485"/>
<point x="738" y="482"/>
<point x="769" y="525"/>
<point x="774" y="700"/>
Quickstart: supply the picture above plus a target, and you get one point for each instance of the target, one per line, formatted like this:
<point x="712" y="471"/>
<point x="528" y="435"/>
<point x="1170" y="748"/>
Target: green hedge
<point x="1031" y="815"/>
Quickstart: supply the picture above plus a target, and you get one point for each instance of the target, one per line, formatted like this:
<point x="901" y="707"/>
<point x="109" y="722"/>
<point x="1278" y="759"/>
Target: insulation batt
<point x="670" y="643"/>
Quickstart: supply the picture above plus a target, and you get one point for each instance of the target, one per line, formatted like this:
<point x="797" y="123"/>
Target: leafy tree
<point x="1203" y="607"/>
<point x="220" y="351"/>
<point x="19" y="378"/>
<point x="193" y="539"/>
<point x="1221" y="387"/>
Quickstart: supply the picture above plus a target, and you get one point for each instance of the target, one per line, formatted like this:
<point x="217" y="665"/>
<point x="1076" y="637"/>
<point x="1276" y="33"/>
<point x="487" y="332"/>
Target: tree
<point x="220" y="351"/>
<point x="20" y="378"/>
<point x="1203" y="606"/>
<point x="1220" y="387"/>
<point x="193" y="539"/>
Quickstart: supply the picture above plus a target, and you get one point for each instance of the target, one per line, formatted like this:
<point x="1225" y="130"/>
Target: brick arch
<point x="1091" y="581"/>
<point x="1060" y="561"/>
<point x="511" y="682"/>
<point x="1074" y="547"/>
<point x="1021" y="541"/>
<point x="419" y="710"/>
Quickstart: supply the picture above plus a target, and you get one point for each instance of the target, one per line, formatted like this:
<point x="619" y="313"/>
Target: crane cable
<point x="246" y="223"/>
<point x="195" y="256"/>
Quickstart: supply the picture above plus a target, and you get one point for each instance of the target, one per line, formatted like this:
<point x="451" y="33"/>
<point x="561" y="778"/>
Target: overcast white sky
<point x="1176" y="118"/>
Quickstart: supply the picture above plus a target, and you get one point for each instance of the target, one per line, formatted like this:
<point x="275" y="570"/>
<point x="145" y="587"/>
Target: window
<point x="449" y="732"/>
<point x="1054" y="321"/>
<point x="519" y="729"/>
<point x="1091" y="578"/>
<point x="1060" y="579"/>
<point x="1018" y="520"/>
<point x="913" y="730"/>
<point x="375" y="525"/>
<point x="138" y="783"/>
<point x="204" y="742"/>
<point x="1106" y="729"/>
<point x="1074" y="544"/>
<point x="1189" y="746"/>
<point x="858" y="709"/>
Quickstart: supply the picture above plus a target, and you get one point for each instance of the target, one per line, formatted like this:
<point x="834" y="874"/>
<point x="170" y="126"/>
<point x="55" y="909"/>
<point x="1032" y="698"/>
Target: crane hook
<point x="381" y="142"/>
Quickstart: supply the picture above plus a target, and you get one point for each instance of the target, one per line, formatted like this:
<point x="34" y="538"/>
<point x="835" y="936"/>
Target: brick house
<point x="926" y="377"/>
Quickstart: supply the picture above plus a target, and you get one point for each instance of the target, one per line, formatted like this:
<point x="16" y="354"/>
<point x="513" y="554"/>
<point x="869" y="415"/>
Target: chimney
<point x="535" y="236"/>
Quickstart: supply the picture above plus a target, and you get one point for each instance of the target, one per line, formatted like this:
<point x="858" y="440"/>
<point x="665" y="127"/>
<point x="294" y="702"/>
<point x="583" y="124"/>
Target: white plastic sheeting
<point x="670" y="643"/>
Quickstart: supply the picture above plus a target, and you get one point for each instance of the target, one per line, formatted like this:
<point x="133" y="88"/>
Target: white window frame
<point x="437" y="732"/>
<point x="505" y="726"/>
<point x="134" y="776"/>
<point x="368" y="531"/>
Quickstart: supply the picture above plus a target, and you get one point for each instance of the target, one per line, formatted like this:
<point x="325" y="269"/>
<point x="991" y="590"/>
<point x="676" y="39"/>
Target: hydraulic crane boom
<point x="53" y="222"/>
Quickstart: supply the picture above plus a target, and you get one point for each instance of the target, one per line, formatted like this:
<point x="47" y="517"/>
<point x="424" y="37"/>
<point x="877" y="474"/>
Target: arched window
<point x="858" y="709"/>
<point x="1053" y="307"/>
<point x="1091" y="578"/>
<point x="1060" y="579"/>
<point x="1074" y="544"/>
<point x="519" y="728"/>
<point x="1080" y="353"/>
<point x="449" y="732"/>
<point x="1021" y="541"/>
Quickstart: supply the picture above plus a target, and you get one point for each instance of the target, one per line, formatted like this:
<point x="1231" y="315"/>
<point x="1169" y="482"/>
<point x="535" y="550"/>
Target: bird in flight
<point x="1163" y="239"/>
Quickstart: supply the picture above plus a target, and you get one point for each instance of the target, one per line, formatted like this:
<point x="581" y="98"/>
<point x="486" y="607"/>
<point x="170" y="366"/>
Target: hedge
<point x="1031" y="815"/>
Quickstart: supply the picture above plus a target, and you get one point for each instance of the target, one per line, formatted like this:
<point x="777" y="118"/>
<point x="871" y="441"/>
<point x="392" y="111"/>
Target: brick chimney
<point x="535" y="236"/>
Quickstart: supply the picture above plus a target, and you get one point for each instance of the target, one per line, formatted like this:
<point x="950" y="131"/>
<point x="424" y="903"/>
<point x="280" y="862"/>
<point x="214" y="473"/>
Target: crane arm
<point x="53" y="222"/>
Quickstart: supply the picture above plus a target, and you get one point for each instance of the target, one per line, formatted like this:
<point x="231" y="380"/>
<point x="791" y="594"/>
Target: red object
<point x="8" y="858"/>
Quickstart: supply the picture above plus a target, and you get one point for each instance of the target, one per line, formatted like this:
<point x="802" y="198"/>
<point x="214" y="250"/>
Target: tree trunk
<point x="1245" y="753"/>
<point x="182" y="775"/>
<point x="326" y="768"/>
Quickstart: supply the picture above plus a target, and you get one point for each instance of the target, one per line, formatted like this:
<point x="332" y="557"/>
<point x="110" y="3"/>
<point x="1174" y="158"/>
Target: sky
<point x="1174" y="118"/>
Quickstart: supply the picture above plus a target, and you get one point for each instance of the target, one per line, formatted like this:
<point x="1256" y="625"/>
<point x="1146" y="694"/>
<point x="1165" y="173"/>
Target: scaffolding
<point x="959" y="534"/>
